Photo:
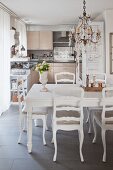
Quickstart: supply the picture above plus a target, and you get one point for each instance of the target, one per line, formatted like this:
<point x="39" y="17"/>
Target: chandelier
<point x="84" y="34"/>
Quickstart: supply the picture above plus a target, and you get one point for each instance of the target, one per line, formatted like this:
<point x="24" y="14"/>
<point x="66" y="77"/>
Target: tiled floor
<point x="15" y="157"/>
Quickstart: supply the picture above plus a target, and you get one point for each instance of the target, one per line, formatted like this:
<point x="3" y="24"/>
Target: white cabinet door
<point x="46" y="40"/>
<point x="39" y="40"/>
<point x="33" y="38"/>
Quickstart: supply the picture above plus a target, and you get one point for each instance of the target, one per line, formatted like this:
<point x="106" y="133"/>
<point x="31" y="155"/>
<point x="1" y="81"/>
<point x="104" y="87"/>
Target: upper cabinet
<point x="40" y="40"/>
<point x="33" y="40"/>
<point x="46" y="40"/>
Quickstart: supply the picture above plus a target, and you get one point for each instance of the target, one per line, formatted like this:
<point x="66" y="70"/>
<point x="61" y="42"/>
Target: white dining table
<point x="36" y="98"/>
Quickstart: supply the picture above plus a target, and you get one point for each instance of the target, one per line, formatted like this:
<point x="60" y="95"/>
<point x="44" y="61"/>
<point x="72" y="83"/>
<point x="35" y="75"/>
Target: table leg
<point x="89" y="120"/>
<point x="29" y="131"/>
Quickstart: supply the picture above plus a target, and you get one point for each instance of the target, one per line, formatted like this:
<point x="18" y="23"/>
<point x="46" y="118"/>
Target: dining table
<point x="36" y="98"/>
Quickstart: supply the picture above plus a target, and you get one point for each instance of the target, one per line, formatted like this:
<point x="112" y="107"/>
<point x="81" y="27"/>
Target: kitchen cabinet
<point x="40" y="40"/>
<point x="51" y="74"/>
<point x="34" y="77"/>
<point x="33" y="38"/>
<point x="46" y="40"/>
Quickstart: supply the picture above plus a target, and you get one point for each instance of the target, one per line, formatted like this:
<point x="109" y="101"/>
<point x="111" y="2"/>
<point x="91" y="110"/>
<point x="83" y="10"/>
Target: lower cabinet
<point x="51" y="73"/>
<point x="34" y="77"/>
<point x="54" y="68"/>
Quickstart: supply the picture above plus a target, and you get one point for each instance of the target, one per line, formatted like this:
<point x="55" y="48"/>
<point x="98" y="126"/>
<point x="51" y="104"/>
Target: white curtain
<point x="4" y="61"/>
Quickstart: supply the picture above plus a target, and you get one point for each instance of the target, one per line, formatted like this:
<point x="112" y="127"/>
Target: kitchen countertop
<point x="47" y="59"/>
<point x="52" y="61"/>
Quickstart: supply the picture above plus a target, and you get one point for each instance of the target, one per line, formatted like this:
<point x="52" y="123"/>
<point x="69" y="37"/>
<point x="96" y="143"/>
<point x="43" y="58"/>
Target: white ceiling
<point x="55" y="12"/>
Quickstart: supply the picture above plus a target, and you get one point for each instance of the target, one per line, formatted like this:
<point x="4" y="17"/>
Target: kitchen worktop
<point x="52" y="61"/>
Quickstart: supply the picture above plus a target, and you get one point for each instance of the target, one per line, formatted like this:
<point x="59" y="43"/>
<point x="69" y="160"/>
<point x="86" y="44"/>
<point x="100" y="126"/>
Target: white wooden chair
<point x="64" y="77"/>
<point x="105" y="118"/>
<point x="109" y="80"/>
<point x="99" y="77"/>
<point x="38" y="113"/>
<point x="68" y="116"/>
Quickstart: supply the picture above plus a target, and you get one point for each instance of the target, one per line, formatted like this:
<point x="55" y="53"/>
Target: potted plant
<point x="43" y="68"/>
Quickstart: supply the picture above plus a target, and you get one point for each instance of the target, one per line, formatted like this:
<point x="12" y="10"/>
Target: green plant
<point x="42" y="67"/>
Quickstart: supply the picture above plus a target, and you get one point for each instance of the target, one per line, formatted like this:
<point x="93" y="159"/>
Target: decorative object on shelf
<point x="14" y="50"/>
<point x="22" y="51"/>
<point x="84" y="34"/>
<point x="43" y="72"/>
<point x="100" y="84"/>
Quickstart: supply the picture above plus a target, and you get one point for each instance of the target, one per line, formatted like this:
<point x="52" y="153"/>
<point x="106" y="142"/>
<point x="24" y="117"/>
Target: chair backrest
<point x="107" y="113"/>
<point x="66" y="77"/>
<point x="66" y="106"/>
<point x="109" y="79"/>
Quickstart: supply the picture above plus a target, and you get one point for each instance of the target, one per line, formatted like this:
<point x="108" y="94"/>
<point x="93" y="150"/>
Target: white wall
<point x="4" y="60"/>
<point x="108" y="16"/>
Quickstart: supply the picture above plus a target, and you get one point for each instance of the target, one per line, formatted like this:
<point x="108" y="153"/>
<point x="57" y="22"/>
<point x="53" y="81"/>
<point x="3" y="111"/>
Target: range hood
<point x="60" y="39"/>
<point x="63" y="34"/>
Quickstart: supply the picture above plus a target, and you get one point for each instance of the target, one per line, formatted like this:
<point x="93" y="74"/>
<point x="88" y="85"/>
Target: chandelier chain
<point x="84" y="7"/>
<point x="83" y="34"/>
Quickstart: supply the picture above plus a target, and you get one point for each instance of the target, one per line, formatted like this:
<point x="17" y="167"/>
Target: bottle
<point x="87" y="80"/>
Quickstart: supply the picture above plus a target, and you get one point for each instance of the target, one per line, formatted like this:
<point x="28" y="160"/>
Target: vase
<point x="43" y="79"/>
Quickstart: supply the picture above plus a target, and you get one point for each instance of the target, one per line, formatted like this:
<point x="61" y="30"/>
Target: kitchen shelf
<point x="18" y="59"/>
<point x="13" y="81"/>
<point x="15" y="90"/>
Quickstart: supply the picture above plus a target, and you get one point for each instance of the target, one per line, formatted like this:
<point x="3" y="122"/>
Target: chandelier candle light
<point x="83" y="34"/>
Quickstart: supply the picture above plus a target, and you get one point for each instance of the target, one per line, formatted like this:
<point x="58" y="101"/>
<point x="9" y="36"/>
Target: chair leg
<point x="44" y="129"/>
<point x="25" y="122"/>
<point x="104" y="144"/>
<point x="46" y="123"/>
<point x="55" y="145"/>
<point x="21" y="129"/>
<point x="87" y="120"/>
<point x="52" y="141"/>
<point x="90" y="121"/>
<point x="81" y="138"/>
<point x="95" y="131"/>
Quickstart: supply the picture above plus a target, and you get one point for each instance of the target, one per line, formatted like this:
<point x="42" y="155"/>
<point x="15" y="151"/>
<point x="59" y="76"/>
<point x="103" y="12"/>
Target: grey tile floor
<point x="14" y="156"/>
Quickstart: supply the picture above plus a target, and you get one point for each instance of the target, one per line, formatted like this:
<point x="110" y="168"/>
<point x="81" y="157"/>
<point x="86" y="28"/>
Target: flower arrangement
<point x="42" y="67"/>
